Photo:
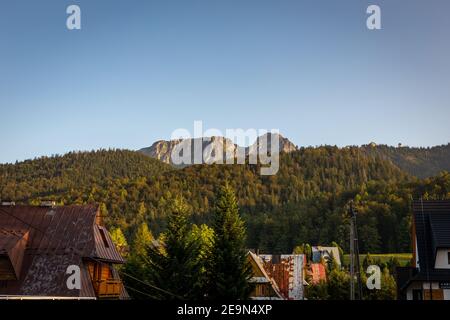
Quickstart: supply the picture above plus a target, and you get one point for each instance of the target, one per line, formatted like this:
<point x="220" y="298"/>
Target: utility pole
<point x="355" y="274"/>
<point x="352" y="262"/>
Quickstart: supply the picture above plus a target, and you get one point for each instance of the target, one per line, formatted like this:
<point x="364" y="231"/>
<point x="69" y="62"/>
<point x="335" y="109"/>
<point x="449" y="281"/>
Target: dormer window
<point x="103" y="235"/>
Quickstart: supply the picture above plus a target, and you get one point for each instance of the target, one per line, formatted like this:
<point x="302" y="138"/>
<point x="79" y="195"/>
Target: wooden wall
<point x="6" y="269"/>
<point x="435" y="294"/>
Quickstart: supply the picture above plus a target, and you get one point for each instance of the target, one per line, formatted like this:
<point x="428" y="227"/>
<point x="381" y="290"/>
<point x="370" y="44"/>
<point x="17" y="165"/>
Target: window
<point x="103" y="235"/>
<point x="417" y="294"/>
<point x="448" y="257"/>
<point x="3" y="283"/>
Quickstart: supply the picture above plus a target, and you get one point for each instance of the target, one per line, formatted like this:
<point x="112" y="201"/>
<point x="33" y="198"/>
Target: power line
<point x="354" y="255"/>
<point x="141" y="281"/>
<point x="150" y="285"/>
<point x="138" y="291"/>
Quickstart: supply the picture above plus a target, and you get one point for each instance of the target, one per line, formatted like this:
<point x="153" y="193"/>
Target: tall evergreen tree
<point x="229" y="272"/>
<point x="174" y="265"/>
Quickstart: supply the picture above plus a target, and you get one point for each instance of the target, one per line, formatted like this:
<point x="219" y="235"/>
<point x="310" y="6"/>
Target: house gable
<point x="54" y="238"/>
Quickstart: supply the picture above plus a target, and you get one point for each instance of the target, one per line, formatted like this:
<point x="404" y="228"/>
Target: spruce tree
<point x="174" y="265"/>
<point x="230" y="271"/>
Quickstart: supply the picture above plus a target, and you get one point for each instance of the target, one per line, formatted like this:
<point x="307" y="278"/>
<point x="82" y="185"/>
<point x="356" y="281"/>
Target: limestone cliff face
<point x="264" y="144"/>
<point x="210" y="148"/>
<point x="161" y="150"/>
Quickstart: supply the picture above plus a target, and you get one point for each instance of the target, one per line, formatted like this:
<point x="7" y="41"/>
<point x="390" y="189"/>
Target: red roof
<point x="317" y="272"/>
<point x="287" y="271"/>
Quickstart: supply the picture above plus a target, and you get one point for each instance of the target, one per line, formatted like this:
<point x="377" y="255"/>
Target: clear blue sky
<point x="140" y="69"/>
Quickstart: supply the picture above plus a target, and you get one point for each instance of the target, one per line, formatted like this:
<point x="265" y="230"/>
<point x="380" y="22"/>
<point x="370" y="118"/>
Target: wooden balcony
<point x="108" y="288"/>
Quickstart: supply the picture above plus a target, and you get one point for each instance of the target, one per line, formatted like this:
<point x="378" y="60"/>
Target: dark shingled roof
<point x="440" y="228"/>
<point x="57" y="237"/>
<point x="432" y="225"/>
<point x="432" y="222"/>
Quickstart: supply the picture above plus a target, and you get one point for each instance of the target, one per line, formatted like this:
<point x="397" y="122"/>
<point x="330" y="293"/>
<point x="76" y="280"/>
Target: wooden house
<point x="264" y="287"/>
<point x="42" y="247"/>
<point x="278" y="277"/>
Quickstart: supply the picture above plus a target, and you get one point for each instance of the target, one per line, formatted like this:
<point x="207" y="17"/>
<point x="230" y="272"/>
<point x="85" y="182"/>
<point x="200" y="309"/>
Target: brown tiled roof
<point x="57" y="237"/>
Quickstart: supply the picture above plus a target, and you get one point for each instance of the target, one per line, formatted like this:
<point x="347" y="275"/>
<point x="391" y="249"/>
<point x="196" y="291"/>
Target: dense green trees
<point x="119" y="240"/>
<point x="192" y="262"/>
<point x="303" y="203"/>
<point x="142" y="239"/>
<point x="335" y="287"/>
<point x="420" y="162"/>
<point x="73" y="172"/>
<point x="337" y="284"/>
<point x="204" y="236"/>
<point x="388" y="287"/>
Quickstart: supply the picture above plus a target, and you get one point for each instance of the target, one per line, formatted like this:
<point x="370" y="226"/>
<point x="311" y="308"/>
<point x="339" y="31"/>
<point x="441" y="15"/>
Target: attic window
<point x="103" y="235"/>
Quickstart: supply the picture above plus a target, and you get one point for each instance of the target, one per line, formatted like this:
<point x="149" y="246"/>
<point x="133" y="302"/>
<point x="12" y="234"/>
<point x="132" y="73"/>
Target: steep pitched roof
<point x="432" y="226"/>
<point x="319" y="252"/>
<point x="440" y="229"/>
<point x="432" y="229"/>
<point x="57" y="237"/>
<point x="260" y="274"/>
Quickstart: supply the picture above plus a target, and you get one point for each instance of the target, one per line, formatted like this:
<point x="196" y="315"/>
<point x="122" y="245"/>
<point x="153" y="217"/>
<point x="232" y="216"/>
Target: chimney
<point x="8" y="203"/>
<point x="48" y="203"/>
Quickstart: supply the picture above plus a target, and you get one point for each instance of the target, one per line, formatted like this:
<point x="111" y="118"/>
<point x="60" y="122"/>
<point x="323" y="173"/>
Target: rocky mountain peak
<point x="162" y="149"/>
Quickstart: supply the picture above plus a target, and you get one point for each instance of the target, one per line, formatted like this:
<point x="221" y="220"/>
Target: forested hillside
<point x="48" y="176"/>
<point x="420" y="162"/>
<point x="304" y="202"/>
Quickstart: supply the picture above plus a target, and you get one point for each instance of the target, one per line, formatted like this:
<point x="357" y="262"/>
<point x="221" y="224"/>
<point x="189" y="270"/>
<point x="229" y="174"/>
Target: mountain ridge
<point x="421" y="162"/>
<point x="164" y="149"/>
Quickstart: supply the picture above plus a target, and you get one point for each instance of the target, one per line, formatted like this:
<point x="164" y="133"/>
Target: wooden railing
<point x="109" y="288"/>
